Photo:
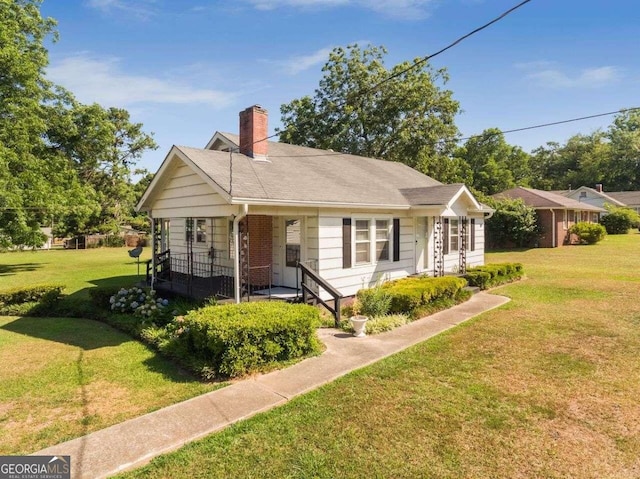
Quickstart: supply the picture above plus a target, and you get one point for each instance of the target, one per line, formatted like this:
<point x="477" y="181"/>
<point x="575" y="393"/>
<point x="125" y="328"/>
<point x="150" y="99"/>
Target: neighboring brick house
<point x="556" y="214"/>
<point x="244" y="211"/>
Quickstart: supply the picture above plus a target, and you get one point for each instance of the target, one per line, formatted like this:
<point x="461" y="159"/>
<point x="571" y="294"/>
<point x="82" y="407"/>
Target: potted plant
<point x="358" y="321"/>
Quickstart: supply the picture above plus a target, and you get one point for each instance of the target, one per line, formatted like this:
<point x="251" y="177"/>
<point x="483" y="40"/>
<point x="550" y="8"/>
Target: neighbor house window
<point x="363" y="242"/>
<point x="566" y="220"/>
<point x="454" y="232"/>
<point x="382" y="240"/>
<point x="583" y="194"/>
<point x="201" y="231"/>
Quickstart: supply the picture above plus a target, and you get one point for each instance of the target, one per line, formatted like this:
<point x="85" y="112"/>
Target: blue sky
<point x="186" y="68"/>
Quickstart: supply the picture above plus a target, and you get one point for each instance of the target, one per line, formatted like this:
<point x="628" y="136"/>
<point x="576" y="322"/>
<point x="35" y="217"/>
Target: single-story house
<point x="556" y="214"/>
<point x="597" y="197"/>
<point x="243" y="213"/>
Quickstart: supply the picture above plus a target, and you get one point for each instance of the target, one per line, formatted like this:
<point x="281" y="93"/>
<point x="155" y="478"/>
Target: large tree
<point x="59" y="159"/>
<point x="624" y="137"/>
<point x="27" y="193"/>
<point x="361" y="107"/>
<point x="495" y="165"/>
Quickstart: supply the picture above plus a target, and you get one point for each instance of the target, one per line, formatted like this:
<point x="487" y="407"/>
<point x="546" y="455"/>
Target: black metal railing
<point x="309" y="292"/>
<point x="201" y="274"/>
<point x="163" y="267"/>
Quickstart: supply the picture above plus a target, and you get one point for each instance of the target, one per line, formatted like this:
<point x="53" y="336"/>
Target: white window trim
<point x="206" y="231"/>
<point x="372" y="239"/>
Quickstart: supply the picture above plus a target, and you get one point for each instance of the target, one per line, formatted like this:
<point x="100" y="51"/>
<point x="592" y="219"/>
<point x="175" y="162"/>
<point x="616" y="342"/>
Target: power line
<point x="503" y="132"/>
<point x="417" y="63"/>
<point x="543" y="125"/>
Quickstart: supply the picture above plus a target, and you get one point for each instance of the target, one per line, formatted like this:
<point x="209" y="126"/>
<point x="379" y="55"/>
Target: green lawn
<point x="546" y="387"/>
<point x="78" y="270"/>
<point x="62" y="378"/>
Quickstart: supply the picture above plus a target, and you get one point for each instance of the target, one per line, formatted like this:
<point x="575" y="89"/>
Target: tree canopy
<point x="361" y="107"/>
<point x="60" y="161"/>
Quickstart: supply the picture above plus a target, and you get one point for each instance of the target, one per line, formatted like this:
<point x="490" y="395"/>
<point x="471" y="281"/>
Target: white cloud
<point x="104" y="81"/>
<point x="550" y="75"/>
<point x="401" y="9"/>
<point x="142" y="9"/>
<point x="299" y="63"/>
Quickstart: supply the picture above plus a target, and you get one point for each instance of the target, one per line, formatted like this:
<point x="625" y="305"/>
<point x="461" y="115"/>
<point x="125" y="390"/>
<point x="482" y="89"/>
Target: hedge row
<point x="27" y="300"/>
<point x="491" y="275"/>
<point x="237" y="339"/>
<point x="410" y="295"/>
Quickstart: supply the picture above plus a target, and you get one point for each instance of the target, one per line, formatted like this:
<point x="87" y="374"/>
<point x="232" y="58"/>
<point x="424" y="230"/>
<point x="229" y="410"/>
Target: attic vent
<point x="583" y="194"/>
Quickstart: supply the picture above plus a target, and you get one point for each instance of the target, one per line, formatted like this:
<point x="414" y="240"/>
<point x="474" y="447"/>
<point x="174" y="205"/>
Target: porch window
<point x="363" y="242"/>
<point x="454" y="232"/>
<point x="201" y="231"/>
<point x="382" y="240"/>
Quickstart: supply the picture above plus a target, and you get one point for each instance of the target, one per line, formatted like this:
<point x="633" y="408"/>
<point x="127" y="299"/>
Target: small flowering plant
<point x="140" y="302"/>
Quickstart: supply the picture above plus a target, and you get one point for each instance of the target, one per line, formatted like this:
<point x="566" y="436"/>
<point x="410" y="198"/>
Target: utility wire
<point x="503" y="132"/>
<point x="416" y="64"/>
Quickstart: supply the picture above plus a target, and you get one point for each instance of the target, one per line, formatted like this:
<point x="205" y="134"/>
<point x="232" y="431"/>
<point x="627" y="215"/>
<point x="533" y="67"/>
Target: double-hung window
<point x="201" y="231"/>
<point x="454" y="235"/>
<point x="363" y="242"/>
<point x="382" y="240"/>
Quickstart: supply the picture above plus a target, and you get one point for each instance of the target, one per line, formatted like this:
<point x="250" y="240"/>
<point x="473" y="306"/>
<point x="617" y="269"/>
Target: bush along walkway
<point x="135" y="442"/>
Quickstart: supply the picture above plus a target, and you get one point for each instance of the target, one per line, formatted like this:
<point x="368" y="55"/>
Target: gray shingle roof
<point x="629" y="198"/>
<point x="301" y="174"/>
<point x="546" y="199"/>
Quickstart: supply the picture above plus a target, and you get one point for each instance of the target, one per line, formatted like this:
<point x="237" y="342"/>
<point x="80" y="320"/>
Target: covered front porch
<point x="232" y="257"/>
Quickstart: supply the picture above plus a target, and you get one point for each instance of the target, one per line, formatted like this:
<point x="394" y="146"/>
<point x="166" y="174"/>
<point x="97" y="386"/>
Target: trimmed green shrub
<point x="588" y="233"/>
<point x="381" y="324"/>
<point x="619" y="220"/>
<point x="101" y="295"/>
<point x="409" y="294"/>
<point x="29" y="299"/>
<point x="237" y="339"/>
<point x="495" y="274"/>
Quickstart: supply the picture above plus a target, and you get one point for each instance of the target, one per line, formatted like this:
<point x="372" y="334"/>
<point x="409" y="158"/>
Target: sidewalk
<point x="135" y="442"/>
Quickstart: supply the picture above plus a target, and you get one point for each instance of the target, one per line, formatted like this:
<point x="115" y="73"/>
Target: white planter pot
<point x="359" y="324"/>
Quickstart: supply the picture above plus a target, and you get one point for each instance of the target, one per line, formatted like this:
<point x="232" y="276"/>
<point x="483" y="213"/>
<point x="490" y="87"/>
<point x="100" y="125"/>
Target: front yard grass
<point x="77" y="270"/>
<point x="63" y="378"/>
<point x="546" y="386"/>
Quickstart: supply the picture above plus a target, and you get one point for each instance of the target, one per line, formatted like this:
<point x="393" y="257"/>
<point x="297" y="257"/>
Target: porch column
<point x="154" y="249"/>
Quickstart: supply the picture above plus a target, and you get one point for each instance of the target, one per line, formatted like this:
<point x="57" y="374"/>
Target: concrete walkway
<point x="135" y="442"/>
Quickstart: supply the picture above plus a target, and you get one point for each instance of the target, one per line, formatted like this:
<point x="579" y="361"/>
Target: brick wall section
<point x="545" y="220"/>
<point x="260" y="248"/>
<point x="253" y="127"/>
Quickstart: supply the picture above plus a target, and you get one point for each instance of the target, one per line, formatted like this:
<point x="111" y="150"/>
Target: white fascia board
<point x="219" y="136"/>
<point x="464" y="190"/>
<point x="206" y="178"/>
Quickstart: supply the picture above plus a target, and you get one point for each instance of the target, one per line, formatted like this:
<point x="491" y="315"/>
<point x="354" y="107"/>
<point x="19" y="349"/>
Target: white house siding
<point x="349" y="281"/>
<point x="476" y="257"/>
<point x="186" y="195"/>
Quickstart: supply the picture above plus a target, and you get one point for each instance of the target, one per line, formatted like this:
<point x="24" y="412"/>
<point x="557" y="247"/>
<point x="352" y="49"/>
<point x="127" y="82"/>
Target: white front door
<point x="293" y="238"/>
<point x="422" y="242"/>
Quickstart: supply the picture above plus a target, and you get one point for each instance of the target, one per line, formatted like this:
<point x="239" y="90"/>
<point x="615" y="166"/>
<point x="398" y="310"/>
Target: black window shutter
<point x="346" y="243"/>
<point x="472" y="234"/>
<point x="396" y="239"/>
<point x="445" y="236"/>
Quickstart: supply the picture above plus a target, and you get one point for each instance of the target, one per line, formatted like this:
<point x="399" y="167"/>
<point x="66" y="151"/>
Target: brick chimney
<point x="253" y="128"/>
<point x="599" y="187"/>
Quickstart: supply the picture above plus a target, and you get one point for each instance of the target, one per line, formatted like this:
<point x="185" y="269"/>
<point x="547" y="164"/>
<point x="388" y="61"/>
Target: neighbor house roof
<point x="546" y="199"/>
<point x="628" y="198"/>
<point x="300" y="175"/>
<point x="605" y="196"/>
